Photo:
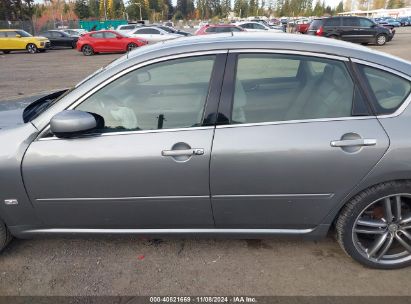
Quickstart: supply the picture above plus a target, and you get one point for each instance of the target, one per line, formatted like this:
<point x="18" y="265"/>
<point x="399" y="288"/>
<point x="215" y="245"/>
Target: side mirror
<point x="119" y="37"/>
<point x="18" y="36"/>
<point x="70" y="123"/>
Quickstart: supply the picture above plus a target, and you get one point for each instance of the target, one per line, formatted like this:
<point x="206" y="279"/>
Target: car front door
<point x="148" y="167"/>
<point x="367" y="30"/>
<point x="300" y="138"/>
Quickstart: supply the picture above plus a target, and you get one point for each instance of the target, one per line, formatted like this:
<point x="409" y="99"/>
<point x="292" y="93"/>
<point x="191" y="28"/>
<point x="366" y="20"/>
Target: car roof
<point x="251" y="40"/>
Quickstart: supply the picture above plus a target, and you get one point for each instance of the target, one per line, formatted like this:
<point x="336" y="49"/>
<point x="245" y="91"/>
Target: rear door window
<point x="332" y="22"/>
<point x="271" y="87"/>
<point x="351" y="22"/>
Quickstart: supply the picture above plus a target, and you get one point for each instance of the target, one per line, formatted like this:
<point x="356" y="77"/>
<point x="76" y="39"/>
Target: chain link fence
<point x="35" y="27"/>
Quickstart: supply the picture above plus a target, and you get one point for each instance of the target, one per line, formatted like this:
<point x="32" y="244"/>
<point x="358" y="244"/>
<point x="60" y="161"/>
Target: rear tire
<point x="370" y="227"/>
<point x="381" y="39"/>
<point x="87" y="50"/>
<point x="32" y="48"/>
<point x="5" y="236"/>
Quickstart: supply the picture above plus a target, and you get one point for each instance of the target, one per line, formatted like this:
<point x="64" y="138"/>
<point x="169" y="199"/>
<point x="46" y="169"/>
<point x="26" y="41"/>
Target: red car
<point x="303" y="27"/>
<point x="218" y="28"/>
<point x="107" y="42"/>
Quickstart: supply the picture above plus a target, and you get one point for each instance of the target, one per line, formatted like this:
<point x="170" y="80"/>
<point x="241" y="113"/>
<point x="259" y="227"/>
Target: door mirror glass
<point x="70" y="123"/>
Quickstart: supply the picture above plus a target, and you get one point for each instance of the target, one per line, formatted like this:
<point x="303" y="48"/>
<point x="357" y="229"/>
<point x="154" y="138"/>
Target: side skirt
<point x="314" y="233"/>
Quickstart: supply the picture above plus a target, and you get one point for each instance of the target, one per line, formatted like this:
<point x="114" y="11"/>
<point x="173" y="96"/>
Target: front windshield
<point x="23" y="33"/>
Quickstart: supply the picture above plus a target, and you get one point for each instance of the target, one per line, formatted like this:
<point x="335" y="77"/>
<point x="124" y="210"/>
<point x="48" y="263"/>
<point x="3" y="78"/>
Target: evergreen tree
<point x="81" y="9"/>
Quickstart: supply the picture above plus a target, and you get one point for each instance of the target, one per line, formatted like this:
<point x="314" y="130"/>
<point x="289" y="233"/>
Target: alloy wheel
<point x="87" y="50"/>
<point x="131" y="47"/>
<point x="381" y="40"/>
<point x="382" y="231"/>
<point x="31" y="48"/>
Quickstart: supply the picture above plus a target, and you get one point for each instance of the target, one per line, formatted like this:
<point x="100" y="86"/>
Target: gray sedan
<point x="234" y="135"/>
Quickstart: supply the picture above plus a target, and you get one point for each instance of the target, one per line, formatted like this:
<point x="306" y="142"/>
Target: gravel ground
<point x="135" y="266"/>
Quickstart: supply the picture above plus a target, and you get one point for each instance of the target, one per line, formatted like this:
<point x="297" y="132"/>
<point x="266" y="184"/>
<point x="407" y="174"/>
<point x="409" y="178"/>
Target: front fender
<point x="14" y="143"/>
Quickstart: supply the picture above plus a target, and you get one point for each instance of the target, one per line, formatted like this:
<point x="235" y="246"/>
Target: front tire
<point x="32" y="48"/>
<point x="374" y="228"/>
<point x="5" y="236"/>
<point x="381" y="39"/>
<point x="87" y="50"/>
<point x="131" y="46"/>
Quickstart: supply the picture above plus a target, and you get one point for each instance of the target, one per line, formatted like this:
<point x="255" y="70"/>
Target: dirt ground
<point x="135" y="266"/>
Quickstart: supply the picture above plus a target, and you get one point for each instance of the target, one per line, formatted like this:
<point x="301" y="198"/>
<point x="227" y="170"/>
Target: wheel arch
<point x="332" y="217"/>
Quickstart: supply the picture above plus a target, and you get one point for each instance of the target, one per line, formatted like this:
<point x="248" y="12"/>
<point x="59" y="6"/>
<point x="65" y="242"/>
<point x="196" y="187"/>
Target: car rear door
<point x="149" y="166"/>
<point x="351" y="29"/>
<point x="285" y="167"/>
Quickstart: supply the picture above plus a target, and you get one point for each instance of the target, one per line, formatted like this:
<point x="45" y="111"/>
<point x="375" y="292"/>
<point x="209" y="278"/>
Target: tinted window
<point x="3" y="34"/>
<point x="97" y="35"/>
<point x="166" y="95"/>
<point x="332" y="22"/>
<point x="283" y="87"/>
<point x="227" y="29"/>
<point x="246" y="25"/>
<point x="316" y="23"/>
<point x="46" y="34"/>
<point x="366" y="22"/>
<point x="351" y="21"/>
<point x="258" y="26"/>
<point x="147" y="31"/>
<point x="389" y="90"/>
<point x="210" y="30"/>
<point x="127" y="27"/>
<point x="109" y="35"/>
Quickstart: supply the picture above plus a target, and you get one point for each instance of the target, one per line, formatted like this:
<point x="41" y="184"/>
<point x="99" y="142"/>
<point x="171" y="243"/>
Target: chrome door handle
<point x="187" y="152"/>
<point x="354" y="142"/>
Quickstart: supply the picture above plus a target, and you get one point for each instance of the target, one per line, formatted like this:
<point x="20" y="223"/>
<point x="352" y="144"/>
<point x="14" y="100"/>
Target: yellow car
<point x="15" y="40"/>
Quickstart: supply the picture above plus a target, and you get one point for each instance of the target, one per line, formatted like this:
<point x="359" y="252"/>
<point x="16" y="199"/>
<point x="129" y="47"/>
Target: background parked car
<point x="75" y="32"/>
<point x="353" y="29"/>
<point x="60" y="39"/>
<point x="152" y="34"/>
<point x="126" y="28"/>
<point x="107" y="42"/>
<point x="303" y="27"/>
<point x="218" y="28"/>
<point x="251" y="26"/>
<point x="15" y="40"/>
<point x="172" y="30"/>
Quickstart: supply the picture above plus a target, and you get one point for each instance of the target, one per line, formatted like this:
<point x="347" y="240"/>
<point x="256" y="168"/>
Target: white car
<point x="251" y="26"/>
<point x="152" y="34"/>
<point x="127" y="28"/>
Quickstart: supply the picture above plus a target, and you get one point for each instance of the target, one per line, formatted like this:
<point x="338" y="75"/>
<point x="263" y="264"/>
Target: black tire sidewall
<point x="363" y="200"/>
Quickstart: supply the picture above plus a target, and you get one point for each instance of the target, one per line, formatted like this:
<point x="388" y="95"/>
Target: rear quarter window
<point x="316" y="23"/>
<point x="390" y="90"/>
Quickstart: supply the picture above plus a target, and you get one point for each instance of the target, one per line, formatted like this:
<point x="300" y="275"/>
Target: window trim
<point x="406" y="101"/>
<point x="227" y="95"/>
<point x="207" y="106"/>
